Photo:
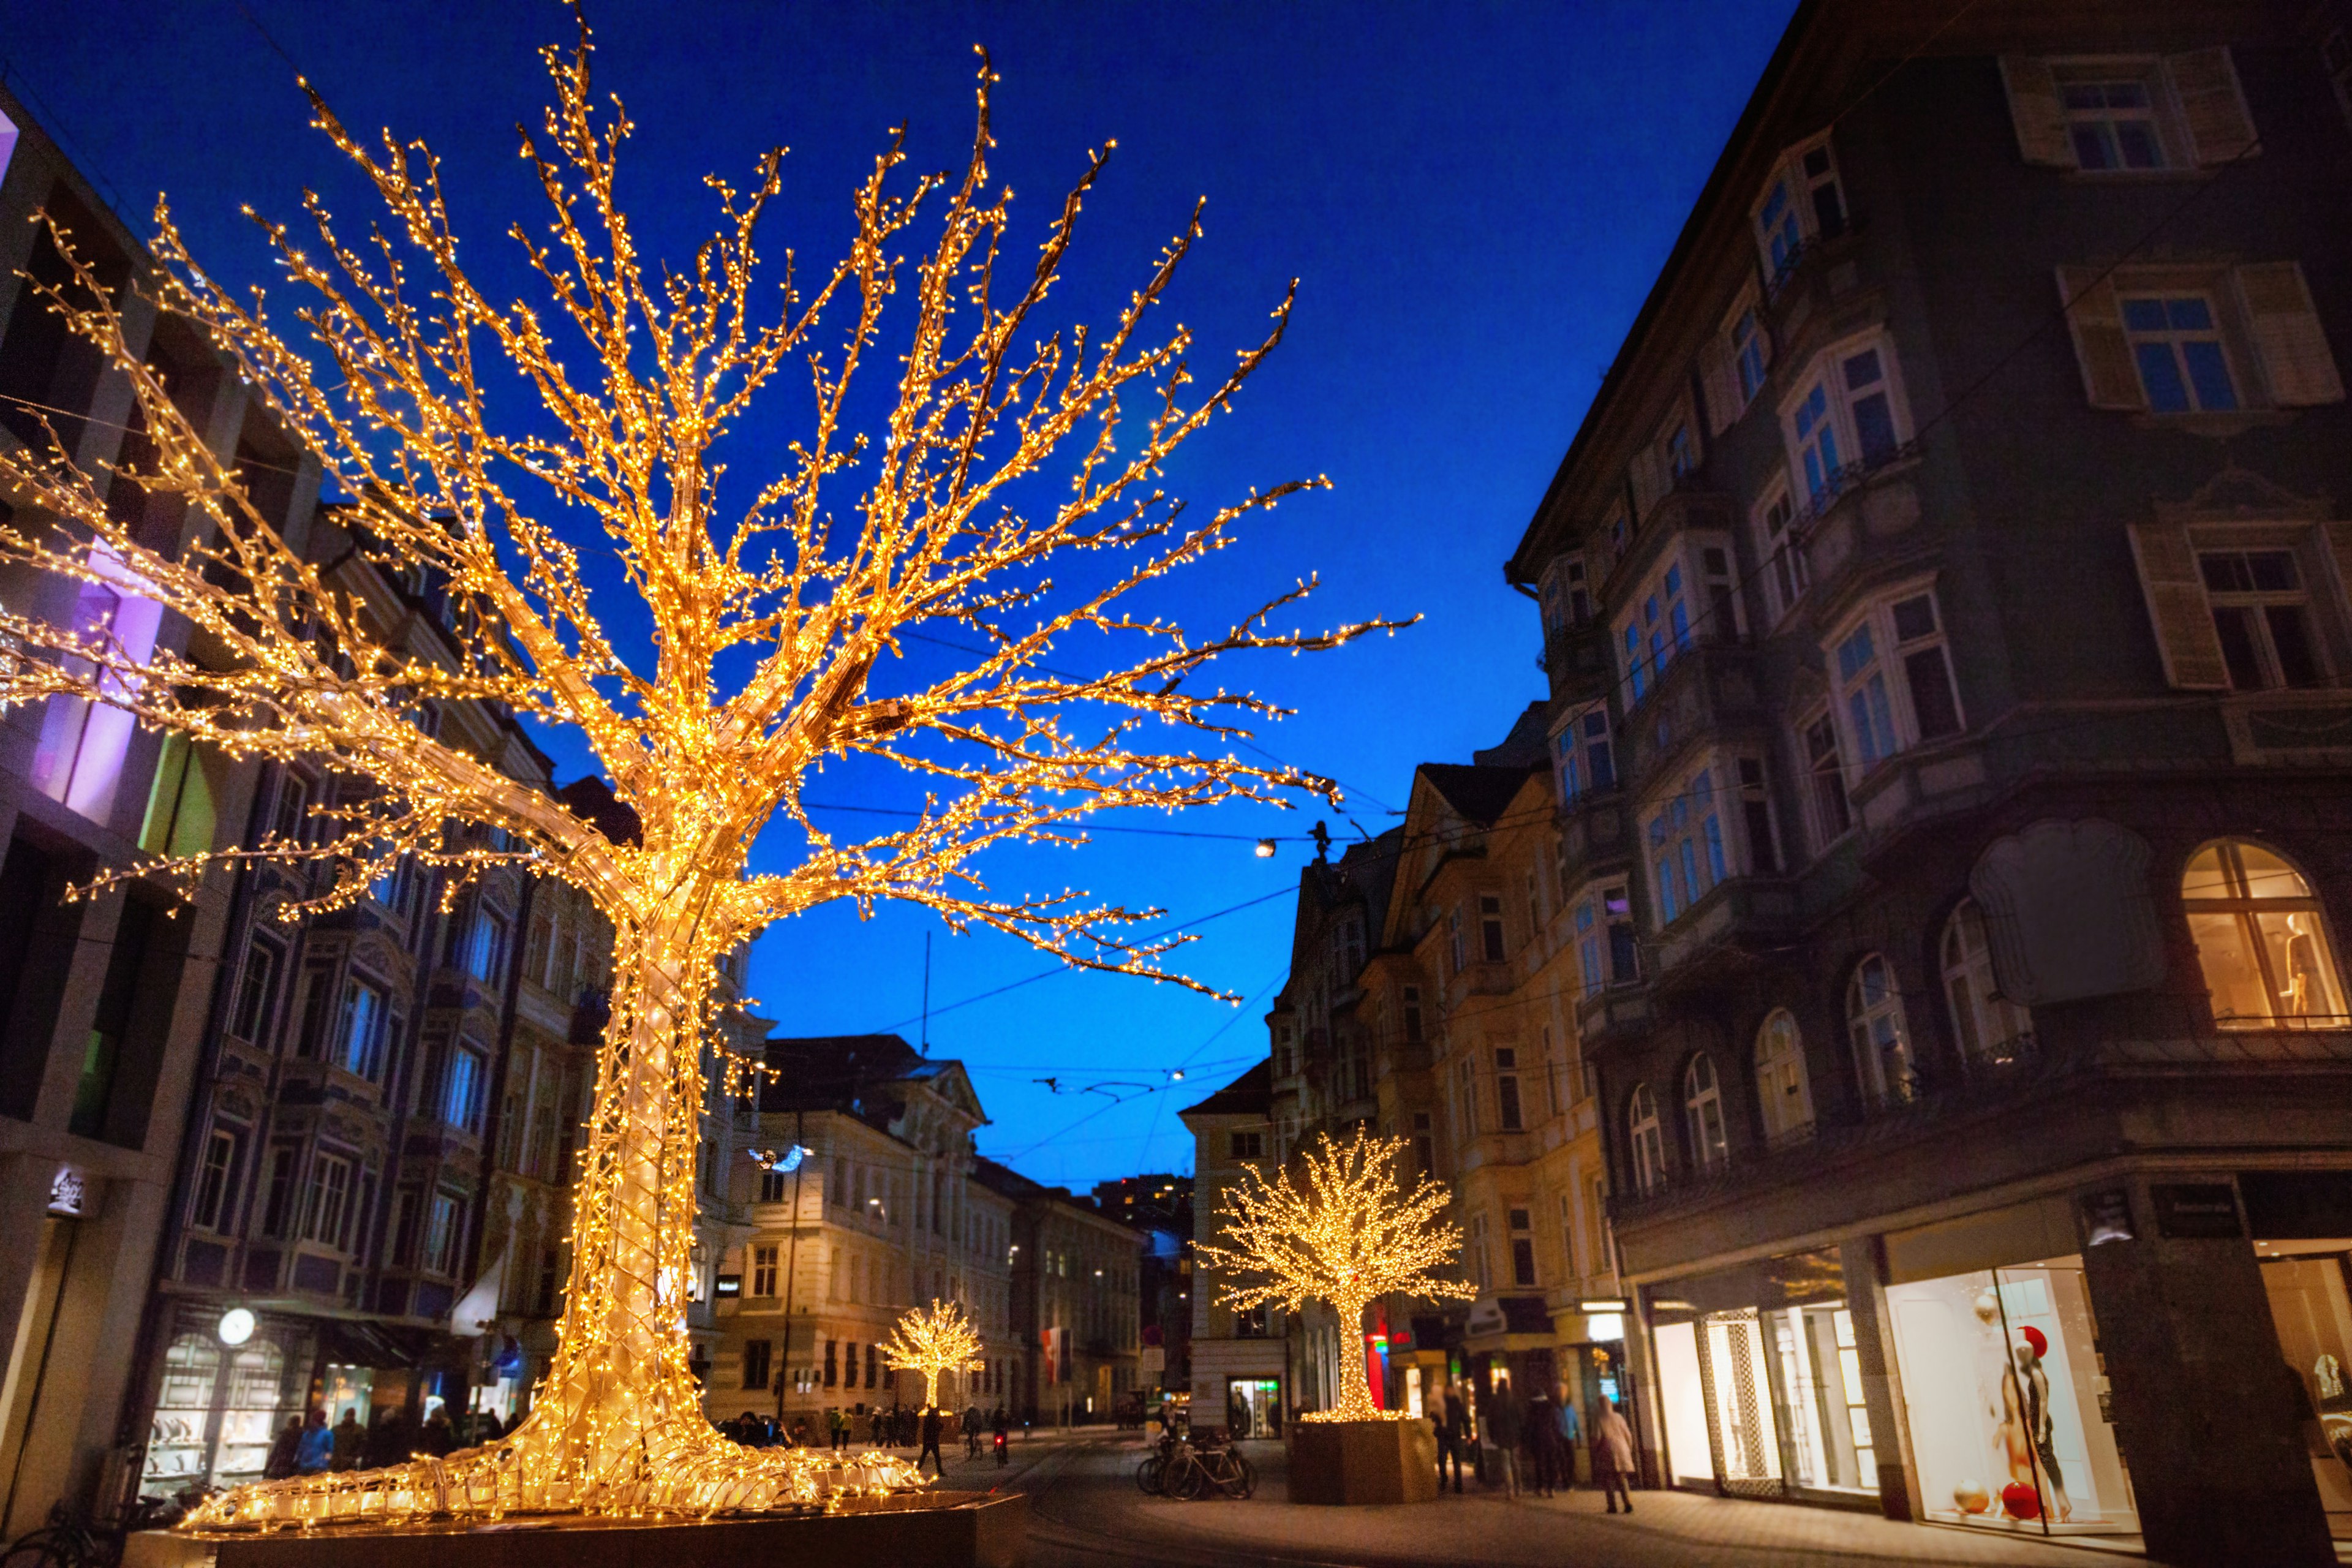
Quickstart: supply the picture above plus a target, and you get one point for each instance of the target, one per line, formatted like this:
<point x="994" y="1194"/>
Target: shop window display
<point x="2006" y="1401"/>
<point x="2312" y="1307"/>
<point x="2260" y="941"/>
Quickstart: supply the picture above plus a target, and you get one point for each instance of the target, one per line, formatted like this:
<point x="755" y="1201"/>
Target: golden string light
<point x="1345" y="1233"/>
<point x="931" y="1341"/>
<point x="775" y="631"/>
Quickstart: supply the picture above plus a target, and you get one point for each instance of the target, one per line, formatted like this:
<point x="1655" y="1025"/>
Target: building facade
<point x="1946" y="616"/>
<point x="1077" y="1282"/>
<point x="1159" y="1209"/>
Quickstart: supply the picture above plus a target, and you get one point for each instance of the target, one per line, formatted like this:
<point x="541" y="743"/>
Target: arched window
<point x="1649" y="1141"/>
<point x="1882" y="1046"/>
<point x="1992" y="1030"/>
<point x="2260" y="941"/>
<point x="1781" y="1082"/>
<point x="1703" y="1113"/>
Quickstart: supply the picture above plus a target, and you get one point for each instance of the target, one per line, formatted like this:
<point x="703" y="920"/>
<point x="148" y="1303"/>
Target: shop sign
<point x="2204" y="1211"/>
<point x="67" y="1192"/>
<point x="2106" y="1217"/>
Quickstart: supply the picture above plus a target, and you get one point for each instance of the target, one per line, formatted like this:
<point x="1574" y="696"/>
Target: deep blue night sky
<point x="1475" y="198"/>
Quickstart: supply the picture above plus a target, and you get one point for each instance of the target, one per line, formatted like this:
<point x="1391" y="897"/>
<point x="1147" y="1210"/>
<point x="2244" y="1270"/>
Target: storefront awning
<point x="353" y="1342"/>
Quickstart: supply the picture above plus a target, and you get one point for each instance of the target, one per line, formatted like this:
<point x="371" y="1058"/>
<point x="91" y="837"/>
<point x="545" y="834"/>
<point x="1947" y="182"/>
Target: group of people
<point x="309" y="1447"/>
<point x="895" y="1426"/>
<point x="1534" y="1438"/>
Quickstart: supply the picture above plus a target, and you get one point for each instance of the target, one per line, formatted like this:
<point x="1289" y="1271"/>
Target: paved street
<point x="1085" y="1510"/>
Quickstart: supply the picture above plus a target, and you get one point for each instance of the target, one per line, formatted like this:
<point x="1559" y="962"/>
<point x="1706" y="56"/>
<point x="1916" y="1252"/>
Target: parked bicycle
<point x="1193" y="1472"/>
<point x="1152" y="1472"/>
<point x="70" y="1540"/>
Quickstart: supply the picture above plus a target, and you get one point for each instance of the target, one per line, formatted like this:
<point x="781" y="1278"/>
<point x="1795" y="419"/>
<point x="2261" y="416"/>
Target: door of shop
<point x="1253" y="1406"/>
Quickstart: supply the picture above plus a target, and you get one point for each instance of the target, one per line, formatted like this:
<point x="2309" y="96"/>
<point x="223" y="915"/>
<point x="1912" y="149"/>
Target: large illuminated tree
<point x="1345" y="1232"/>
<point x="940" y="1339"/>
<point x="1005" y="498"/>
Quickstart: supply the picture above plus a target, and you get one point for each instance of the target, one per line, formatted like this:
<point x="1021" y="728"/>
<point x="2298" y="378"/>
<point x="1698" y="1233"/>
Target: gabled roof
<point x="1252" y="1094"/>
<point x="1479" y="794"/>
<point x="853" y="1073"/>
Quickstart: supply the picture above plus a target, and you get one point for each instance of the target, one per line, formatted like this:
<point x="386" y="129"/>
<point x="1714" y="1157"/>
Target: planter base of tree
<point x="936" y="1529"/>
<point x="1360" y="1462"/>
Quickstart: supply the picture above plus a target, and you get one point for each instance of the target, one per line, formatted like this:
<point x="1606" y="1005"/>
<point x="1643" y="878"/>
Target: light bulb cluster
<point x="934" y="1341"/>
<point x="766" y="632"/>
<point x="1346" y="1231"/>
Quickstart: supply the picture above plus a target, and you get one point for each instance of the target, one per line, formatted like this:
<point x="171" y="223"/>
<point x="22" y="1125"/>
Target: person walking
<point x="1570" y="1433"/>
<point x="931" y="1443"/>
<point x="972" y="1431"/>
<point x="283" y="1450"/>
<point x="1612" y="1455"/>
<point x="1540" y="1442"/>
<point x="317" y="1449"/>
<point x="1450" y="1436"/>
<point x="438" y="1438"/>
<point x="1505" y="1424"/>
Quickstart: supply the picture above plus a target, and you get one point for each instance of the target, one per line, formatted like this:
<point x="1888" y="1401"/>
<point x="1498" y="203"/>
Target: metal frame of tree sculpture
<point x="1348" y="1236"/>
<point x="399" y="414"/>
<point x="939" y="1339"/>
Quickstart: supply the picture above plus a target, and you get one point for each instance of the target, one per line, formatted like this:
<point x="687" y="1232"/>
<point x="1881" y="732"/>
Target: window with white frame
<point x="1784" y="1090"/>
<point x="1992" y="1030"/>
<point x="1680" y="836"/>
<point x="2121" y="115"/>
<point x="1690" y="596"/>
<point x="2262" y="940"/>
<point x="1508" y="1113"/>
<point x="1785" y="578"/>
<point x="1882" y="1043"/>
<point x="443" y="1230"/>
<point x="1523" y="1246"/>
<point x="1566" y="599"/>
<point x="327" y="1200"/>
<point x="2111" y="123"/>
<point x="1758" y="841"/>
<point x="1647" y="1139"/>
<point x="1825" y="799"/>
<point x="360" y="1019"/>
<point x="254" y="986"/>
<point x="1703" y="1113"/>
<point x="1490" y="929"/>
<point x="1893" y="677"/>
<point x="461" y="1091"/>
<point x="1466" y="1082"/>
<point x="1479" y="1272"/>
<point x="1751" y="350"/>
<point x="1457" y="940"/>
<point x="2261" y="615"/>
<point x="214" y="1199"/>
<point x="1680" y="450"/>
<point x="2175" y="344"/>
<point x="1586" y="763"/>
<point x="1606" y="952"/>
<point x="486" y="943"/>
<point x="1846" y="417"/>
<point x="1802" y="202"/>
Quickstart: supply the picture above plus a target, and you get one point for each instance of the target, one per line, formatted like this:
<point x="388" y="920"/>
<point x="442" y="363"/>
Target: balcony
<point x="1618" y="1016"/>
<point x="1858" y="525"/>
<point x="1708" y="693"/>
<point x="1595" y="836"/>
<point x="1820" y="271"/>
<point x="1732" y="929"/>
<point x="1575" y="659"/>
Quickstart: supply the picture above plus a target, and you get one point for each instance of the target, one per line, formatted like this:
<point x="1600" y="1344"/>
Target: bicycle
<point x="1151" y="1474"/>
<point x="1192" y="1473"/>
<point x="69" y="1540"/>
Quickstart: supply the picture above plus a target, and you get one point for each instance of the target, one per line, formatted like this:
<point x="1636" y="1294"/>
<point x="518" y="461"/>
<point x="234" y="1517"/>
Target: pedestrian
<point x="836" y="1428"/>
<point x="1002" y="1427"/>
<point x="972" y="1431"/>
<point x="438" y="1438"/>
<point x="1451" y="1431"/>
<point x="931" y="1442"/>
<point x="317" y="1449"/>
<point x="388" y="1442"/>
<point x="1571" y="1434"/>
<point x="1540" y="1442"/>
<point x="283" y="1449"/>
<point x="1612" y="1455"/>
<point x="351" y="1441"/>
<point x="1503" y="1425"/>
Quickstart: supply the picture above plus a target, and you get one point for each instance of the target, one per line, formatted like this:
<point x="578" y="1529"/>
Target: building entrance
<point x="1253" y="1406"/>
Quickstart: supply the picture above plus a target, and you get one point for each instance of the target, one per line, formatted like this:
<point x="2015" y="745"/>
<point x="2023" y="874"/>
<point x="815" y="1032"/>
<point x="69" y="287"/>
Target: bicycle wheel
<point x="1245" y="1477"/>
<point x="39" y="1549"/>
<point x="1186" y="1481"/>
<point x="1150" y="1474"/>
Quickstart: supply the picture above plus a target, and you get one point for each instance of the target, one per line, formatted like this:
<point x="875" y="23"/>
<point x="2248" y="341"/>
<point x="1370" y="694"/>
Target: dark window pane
<point x="1624" y="967"/>
<point x="2159" y="376"/>
<point x="2144" y="315"/>
<point x="1829" y="212"/>
<point x="2226" y="572"/>
<point x="1605" y="773"/>
<point x="2291" y="640"/>
<point x="2189" y="315"/>
<point x="2211" y="372"/>
<point x="1759" y="837"/>
<point x="2235" y="625"/>
<point x="1931" y="693"/>
<point x="1507" y="1098"/>
<point x="2272" y="571"/>
<point x="1874" y="422"/>
<point x="2137" y="143"/>
<point x="1914" y="618"/>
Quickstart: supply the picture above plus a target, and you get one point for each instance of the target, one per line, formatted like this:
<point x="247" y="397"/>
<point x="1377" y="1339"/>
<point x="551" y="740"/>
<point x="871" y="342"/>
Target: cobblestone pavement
<point x="1085" y="1510"/>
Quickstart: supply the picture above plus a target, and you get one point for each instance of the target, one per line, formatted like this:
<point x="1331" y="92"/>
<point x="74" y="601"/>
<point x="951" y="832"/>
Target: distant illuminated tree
<point x="933" y="1341"/>
<point x="762" y="636"/>
<point x="1345" y="1233"/>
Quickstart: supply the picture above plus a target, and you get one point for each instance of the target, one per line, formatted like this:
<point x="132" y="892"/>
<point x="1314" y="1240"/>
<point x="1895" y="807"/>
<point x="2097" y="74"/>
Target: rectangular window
<point x="215" y="1197"/>
<point x="1801" y="203"/>
<point x="1756" y="816"/>
<point x="1751" y="353"/>
<point x="461" y="1097"/>
<point x="486" y="946"/>
<point x="1776" y="542"/>
<point x="291" y="817"/>
<point x="763" y="1271"/>
<point x="757" y="1357"/>
<point x="2262" y="614"/>
<point x="771" y="1187"/>
<point x="1862" y="686"/>
<point x="1825" y="779"/>
<point x="2112" y="125"/>
<point x="1490" y="928"/>
<point x="1456" y="939"/>
<point x="442" y="1228"/>
<point x="1507" y="1089"/>
<point x="1889" y="703"/>
<point x="1847" y="419"/>
<point x="277" y="1208"/>
<point x="1413" y="1024"/>
<point x="1687" y="848"/>
<point x="1605" y="948"/>
<point x="2176" y="345"/>
<point x="1587" y="764"/>
<point x="358" y="1029"/>
<point x="253" y="987"/>
<point x="325" y="1205"/>
<point x="1248" y="1146"/>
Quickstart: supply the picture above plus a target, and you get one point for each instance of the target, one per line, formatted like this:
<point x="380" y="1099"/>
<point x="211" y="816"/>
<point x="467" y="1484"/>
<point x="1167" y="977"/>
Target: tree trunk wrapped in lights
<point x="940" y="1339"/>
<point x="775" y="640"/>
<point x="1344" y="1233"/>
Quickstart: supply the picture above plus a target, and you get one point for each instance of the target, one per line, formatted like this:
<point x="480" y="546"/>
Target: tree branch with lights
<point x="1345" y="1232"/>
<point x="764" y="635"/>
<point x="932" y="1341"/>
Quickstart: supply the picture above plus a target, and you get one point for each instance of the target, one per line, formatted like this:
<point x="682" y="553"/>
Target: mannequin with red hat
<point x="2033" y="1346"/>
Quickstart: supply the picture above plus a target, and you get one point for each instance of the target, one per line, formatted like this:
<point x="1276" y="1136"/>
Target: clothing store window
<point x="2008" y="1403"/>
<point x="1703" y="1113"/>
<point x="1992" y="1030"/>
<point x="1648" y="1140"/>
<point x="1783" y="1088"/>
<point x="2260" y="941"/>
<point x="1882" y="1045"/>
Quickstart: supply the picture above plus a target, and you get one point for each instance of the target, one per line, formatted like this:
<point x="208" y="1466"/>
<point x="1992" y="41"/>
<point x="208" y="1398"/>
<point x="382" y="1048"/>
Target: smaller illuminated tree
<point x="1346" y="1234"/>
<point x="940" y="1339"/>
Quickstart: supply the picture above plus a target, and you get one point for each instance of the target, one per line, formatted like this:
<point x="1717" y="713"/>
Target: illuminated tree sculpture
<point x="765" y="630"/>
<point x="1346" y="1234"/>
<point x="933" y="1341"/>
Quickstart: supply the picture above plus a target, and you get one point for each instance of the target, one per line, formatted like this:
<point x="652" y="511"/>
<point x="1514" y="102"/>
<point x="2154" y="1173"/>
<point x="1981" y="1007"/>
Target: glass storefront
<point x="1758" y="1380"/>
<point x="2309" y="1284"/>
<point x="2006" y="1392"/>
<point x="219" y="1406"/>
<point x="1253" y="1406"/>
